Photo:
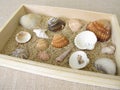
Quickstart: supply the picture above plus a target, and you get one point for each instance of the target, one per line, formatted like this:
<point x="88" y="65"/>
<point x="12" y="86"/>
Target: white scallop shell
<point x="74" y="63"/>
<point x="30" y="21"/>
<point x="105" y="65"/>
<point x="85" y="40"/>
<point x="108" y="50"/>
<point x="23" y="37"/>
<point x="40" y="33"/>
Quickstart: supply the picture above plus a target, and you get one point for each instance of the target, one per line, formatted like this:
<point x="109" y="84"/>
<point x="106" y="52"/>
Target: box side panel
<point x="10" y="26"/>
<point x="65" y="12"/>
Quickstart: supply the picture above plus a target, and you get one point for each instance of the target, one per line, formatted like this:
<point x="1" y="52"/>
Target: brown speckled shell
<point x="43" y="56"/>
<point x="59" y="41"/>
<point x="42" y="44"/>
<point x="101" y="28"/>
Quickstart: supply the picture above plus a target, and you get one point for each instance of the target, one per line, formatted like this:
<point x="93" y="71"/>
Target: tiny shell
<point x="108" y="49"/>
<point x="42" y="44"/>
<point x="106" y="65"/>
<point x="63" y="55"/>
<point x="21" y="53"/>
<point x="85" y="40"/>
<point x="40" y="33"/>
<point x="78" y="60"/>
<point x="59" y="41"/>
<point x="75" y="25"/>
<point x="30" y="21"/>
<point x="43" y="56"/>
<point x="23" y="37"/>
<point x="55" y="24"/>
<point x="102" y="29"/>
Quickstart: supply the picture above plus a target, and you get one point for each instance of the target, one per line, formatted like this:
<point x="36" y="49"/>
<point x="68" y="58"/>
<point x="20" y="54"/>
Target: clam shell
<point x="23" y="37"/>
<point x="75" y="25"/>
<point x="43" y="56"/>
<point x="20" y="53"/>
<point x="74" y="62"/>
<point x="40" y="33"/>
<point x="30" y="21"/>
<point x="59" y="41"/>
<point x="55" y="24"/>
<point x="106" y="65"/>
<point x="102" y="29"/>
<point x="85" y="40"/>
<point x="42" y="44"/>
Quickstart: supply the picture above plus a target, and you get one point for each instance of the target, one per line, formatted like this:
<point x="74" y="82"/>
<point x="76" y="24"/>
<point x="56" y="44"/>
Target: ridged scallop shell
<point x="20" y="53"/>
<point x="59" y="41"/>
<point x="43" y="56"/>
<point x="102" y="29"/>
<point x="55" y="24"/>
<point x="42" y="44"/>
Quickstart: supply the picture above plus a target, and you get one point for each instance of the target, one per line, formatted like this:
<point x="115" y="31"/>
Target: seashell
<point x="23" y="37"/>
<point x="63" y="55"/>
<point x="43" y="56"/>
<point x="55" y="24"/>
<point x="78" y="60"/>
<point x="30" y="21"/>
<point x="75" y="25"/>
<point x="105" y="65"/>
<point x="21" y="53"/>
<point x="59" y="41"/>
<point x="40" y="33"/>
<point x="102" y="29"/>
<point x="108" y="49"/>
<point x="42" y="44"/>
<point x="85" y="40"/>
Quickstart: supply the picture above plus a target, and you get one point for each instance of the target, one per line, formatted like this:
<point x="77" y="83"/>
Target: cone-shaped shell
<point x="59" y="41"/>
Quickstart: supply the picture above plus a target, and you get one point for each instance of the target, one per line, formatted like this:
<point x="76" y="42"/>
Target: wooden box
<point x="79" y="76"/>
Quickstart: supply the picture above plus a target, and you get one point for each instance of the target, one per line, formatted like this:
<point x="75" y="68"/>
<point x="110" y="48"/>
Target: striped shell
<point x="43" y="56"/>
<point x="101" y="28"/>
<point x="59" y="41"/>
<point x="42" y="44"/>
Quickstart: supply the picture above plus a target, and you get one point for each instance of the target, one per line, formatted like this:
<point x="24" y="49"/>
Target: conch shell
<point x="102" y="29"/>
<point x="40" y="33"/>
<point x="55" y="24"/>
<point x="43" y="56"/>
<point x="42" y="44"/>
<point x="59" y="41"/>
<point x="63" y="55"/>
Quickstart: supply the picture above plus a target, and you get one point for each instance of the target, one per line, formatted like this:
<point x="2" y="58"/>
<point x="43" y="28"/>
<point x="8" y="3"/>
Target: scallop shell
<point x="108" y="49"/>
<point x="55" y="24"/>
<point x="106" y="65"/>
<point x="23" y="37"/>
<point x="102" y="29"/>
<point x="42" y="44"/>
<point x="40" y="33"/>
<point x="21" y="53"/>
<point x="75" y="25"/>
<point x="85" y="40"/>
<point x="59" y="41"/>
<point x="43" y="56"/>
<point x="30" y="21"/>
<point x="78" y="60"/>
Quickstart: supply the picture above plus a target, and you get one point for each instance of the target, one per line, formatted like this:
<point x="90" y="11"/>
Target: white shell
<point x="74" y="63"/>
<point x="105" y="65"/>
<point x="40" y="33"/>
<point x="85" y="40"/>
<point x="23" y="37"/>
<point x="30" y="21"/>
<point x="108" y="50"/>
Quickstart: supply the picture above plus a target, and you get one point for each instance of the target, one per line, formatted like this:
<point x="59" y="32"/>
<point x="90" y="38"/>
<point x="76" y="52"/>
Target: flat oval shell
<point x="59" y="41"/>
<point x="23" y="37"/>
<point x="105" y="65"/>
<point x="102" y="29"/>
<point x="85" y="40"/>
<point x="74" y="63"/>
